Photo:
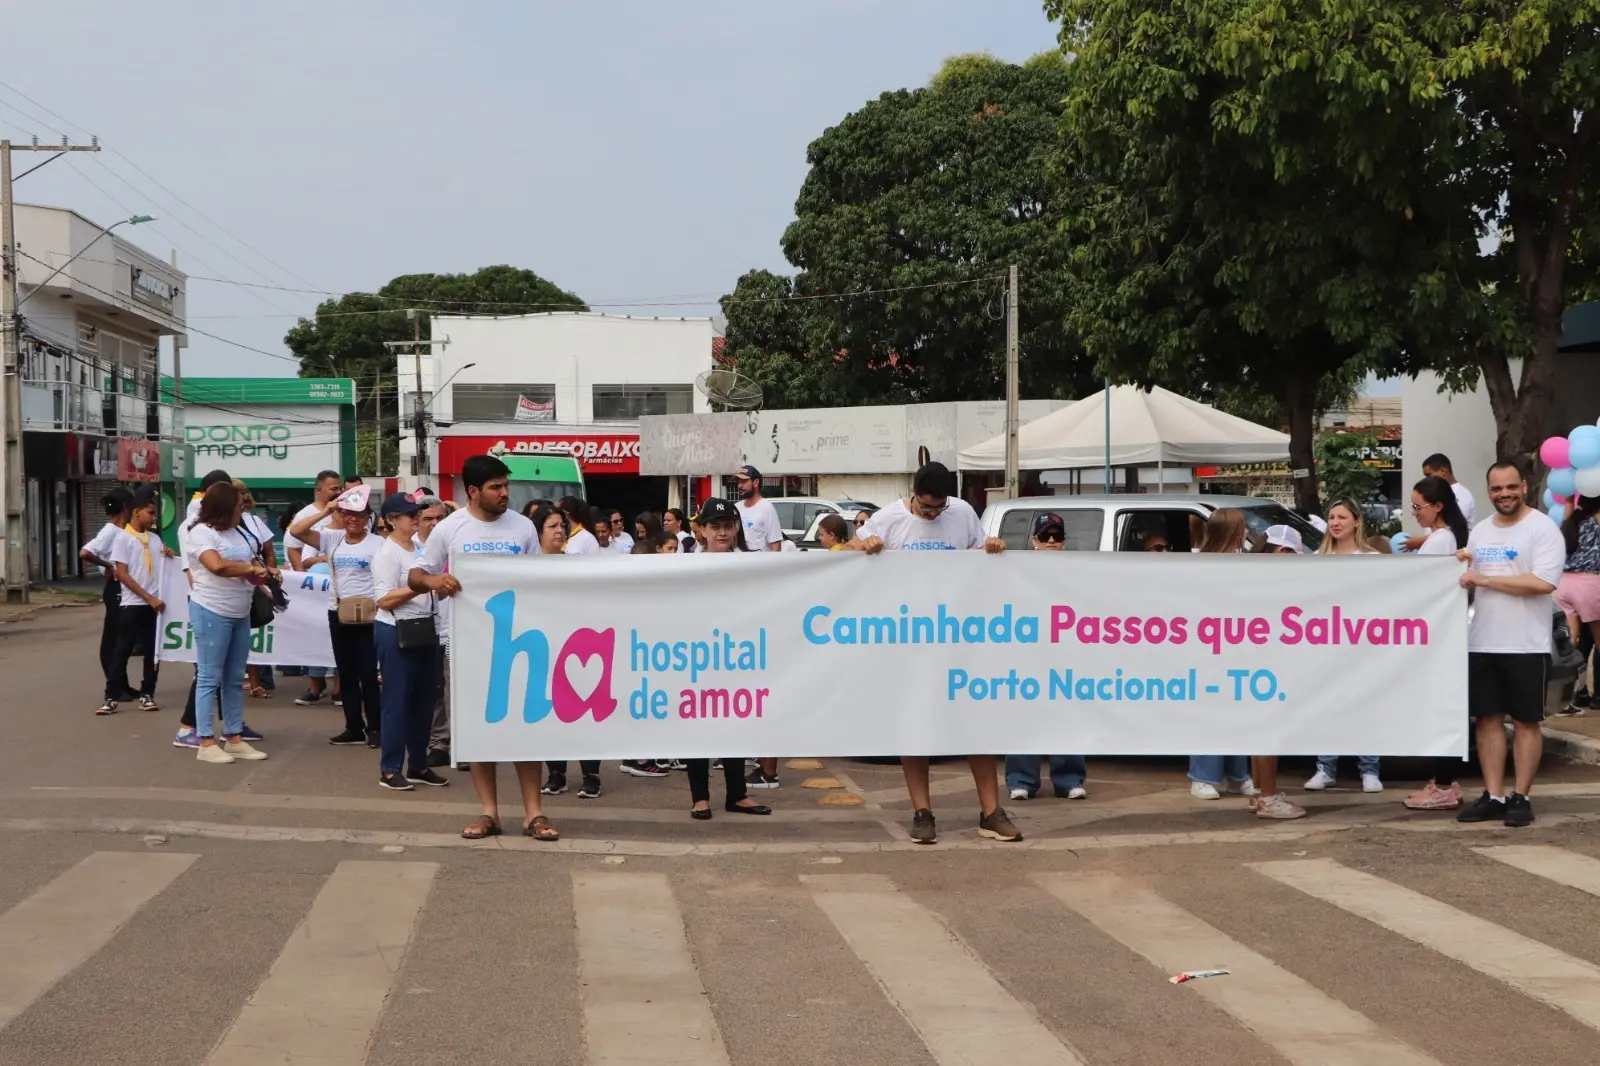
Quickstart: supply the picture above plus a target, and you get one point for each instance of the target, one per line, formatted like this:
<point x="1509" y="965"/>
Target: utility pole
<point x="419" y="416"/>
<point x="377" y="425"/>
<point x="1013" y="398"/>
<point x="14" y="534"/>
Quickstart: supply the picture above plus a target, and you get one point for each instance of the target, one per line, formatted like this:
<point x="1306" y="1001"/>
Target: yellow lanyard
<point x="144" y="542"/>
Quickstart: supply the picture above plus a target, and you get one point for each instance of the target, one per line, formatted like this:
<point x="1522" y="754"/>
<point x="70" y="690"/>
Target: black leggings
<point x="732" y="776"/>
<point x="356" y="657"/>
<point x="590" y="767"/>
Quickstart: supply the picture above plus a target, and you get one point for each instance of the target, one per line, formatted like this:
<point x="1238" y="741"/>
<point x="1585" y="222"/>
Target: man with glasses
<point x="933" y="518"/>
<point x="762" y="530"/>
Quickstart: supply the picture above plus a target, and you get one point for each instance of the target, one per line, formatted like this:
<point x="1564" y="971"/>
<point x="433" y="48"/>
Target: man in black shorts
<point x="1516" y="558"/>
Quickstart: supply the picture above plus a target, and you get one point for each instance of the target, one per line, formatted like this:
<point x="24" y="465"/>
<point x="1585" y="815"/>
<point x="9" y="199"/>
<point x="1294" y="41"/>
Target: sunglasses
<point x="1051" y="538"/>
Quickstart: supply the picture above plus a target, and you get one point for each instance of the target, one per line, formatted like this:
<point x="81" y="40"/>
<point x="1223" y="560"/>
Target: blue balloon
<point x="1584" y="453"/>
<point x="1550" y="500"/>
<point x="1585" y="432"/>
<point x="1563" y="481"/>
<point x="1557" y="512"/>
<point x="1398" y="543"/>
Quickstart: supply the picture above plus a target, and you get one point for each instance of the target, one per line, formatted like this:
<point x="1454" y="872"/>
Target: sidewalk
<point x="1577" y="739"/>
<point x="47" y="599"/>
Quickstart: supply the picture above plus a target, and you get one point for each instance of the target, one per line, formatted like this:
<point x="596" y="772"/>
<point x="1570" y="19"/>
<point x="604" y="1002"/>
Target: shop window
<point x="624" y="403"/>
<point x="493" y="403"/>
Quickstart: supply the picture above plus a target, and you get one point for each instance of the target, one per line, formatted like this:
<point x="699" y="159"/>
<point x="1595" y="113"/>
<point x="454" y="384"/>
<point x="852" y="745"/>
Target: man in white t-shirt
<point x="138" y="558"/>
<point x="1516" y="558"/>
<point x="933" y="518"/>
<point x="484" y="527"/>
<point x="328" y="486"/>
<point x="762" y="530"/>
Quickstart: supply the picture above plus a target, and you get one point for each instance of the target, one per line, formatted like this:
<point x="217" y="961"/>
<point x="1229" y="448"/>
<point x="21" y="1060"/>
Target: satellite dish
<point x="729" y="389"/>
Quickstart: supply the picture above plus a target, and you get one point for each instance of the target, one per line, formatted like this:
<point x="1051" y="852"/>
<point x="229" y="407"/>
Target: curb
<point x="1574" y="747"/>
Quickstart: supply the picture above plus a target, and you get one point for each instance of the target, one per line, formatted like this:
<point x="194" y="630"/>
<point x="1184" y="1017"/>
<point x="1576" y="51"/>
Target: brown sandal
<point x="541" y="829"/>
<point x="480" y="827"/>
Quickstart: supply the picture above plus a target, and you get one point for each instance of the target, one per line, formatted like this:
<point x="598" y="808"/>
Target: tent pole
<point x="1108" y="437"/>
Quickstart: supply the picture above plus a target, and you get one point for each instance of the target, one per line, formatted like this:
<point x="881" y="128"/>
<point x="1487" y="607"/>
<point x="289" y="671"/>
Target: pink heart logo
<point x="581" y="681"/>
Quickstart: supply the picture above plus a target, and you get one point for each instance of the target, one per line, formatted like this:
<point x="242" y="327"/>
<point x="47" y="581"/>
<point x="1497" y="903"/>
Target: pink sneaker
<point x="1434" y="798"/>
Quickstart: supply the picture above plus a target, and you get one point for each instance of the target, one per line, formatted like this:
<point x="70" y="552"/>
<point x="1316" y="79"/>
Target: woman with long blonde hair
<point x="1347" y="531"/>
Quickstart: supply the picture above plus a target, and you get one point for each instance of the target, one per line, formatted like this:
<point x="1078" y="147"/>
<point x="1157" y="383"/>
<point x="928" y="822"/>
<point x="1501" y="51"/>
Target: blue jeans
<point x="1067" y="772"/>
<point x="1329" y="764"/>
<point x="1211" y="769"/>
<point x="408" y="694"/>
<point x="221" y="646"/>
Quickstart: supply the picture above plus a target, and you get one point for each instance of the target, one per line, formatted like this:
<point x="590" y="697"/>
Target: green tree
<point x="1341" y="464"/>
<point x="931" y="193"/>
<point x="346" y="337"/>
<point x="1196" y="263"/>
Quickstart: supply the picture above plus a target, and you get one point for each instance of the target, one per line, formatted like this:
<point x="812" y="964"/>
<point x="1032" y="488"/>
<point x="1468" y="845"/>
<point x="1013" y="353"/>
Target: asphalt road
<point x="157" y="911"/>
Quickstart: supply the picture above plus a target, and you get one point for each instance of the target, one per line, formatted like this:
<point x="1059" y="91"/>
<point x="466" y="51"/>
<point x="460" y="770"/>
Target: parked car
<point x="797" y="513"/>
<point x="1124" y="523"/>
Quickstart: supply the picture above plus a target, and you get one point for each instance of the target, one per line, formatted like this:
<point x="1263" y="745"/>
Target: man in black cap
<point x="762" y="530"/>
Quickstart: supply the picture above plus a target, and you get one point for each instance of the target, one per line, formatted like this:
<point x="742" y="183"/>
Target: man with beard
<point x="762" y="530"/>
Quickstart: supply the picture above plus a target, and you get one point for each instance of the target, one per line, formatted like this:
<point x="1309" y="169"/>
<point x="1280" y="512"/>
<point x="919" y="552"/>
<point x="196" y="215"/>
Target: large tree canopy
<point x="346" y="337"/>
<point x="930" y="193"/>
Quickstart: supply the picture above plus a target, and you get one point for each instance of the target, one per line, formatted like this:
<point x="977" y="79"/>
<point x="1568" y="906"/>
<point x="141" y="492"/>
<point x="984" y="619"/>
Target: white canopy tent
<point x="1145" y="428"/>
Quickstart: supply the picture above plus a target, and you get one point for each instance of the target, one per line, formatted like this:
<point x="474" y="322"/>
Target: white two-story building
<point x="576" y="378"/>
<point x="92" y="415"/>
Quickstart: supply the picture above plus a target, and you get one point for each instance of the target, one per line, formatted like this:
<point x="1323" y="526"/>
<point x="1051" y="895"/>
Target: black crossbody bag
<point x="414" y="633"/>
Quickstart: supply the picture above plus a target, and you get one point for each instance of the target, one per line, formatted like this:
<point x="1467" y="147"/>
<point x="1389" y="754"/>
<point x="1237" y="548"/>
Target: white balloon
<point x="1589" y="481"/>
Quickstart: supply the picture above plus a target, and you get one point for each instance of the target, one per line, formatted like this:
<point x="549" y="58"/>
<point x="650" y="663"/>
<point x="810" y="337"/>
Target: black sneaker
<point x="394" y="783"/>
<point x="556" y="785"/>
<point x="372" y="739"/>
<point x="310" y="699"/>
<point x="338" y="701"/>
<point x="1483" y="809"/>
<point x="438" y="757"/>
<point x="426" y="777"/>
<point x="349" y="738"/>
<point x="923" y="830"/>
<point x="757" y="779"/>
<point x="1519" y="811"/>
<point x="643" y="768"/>
<point x="590" y="789"/>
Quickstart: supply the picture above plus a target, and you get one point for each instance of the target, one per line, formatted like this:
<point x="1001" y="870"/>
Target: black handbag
<point x="267" y="600"/>
<point x="412" y="633"/>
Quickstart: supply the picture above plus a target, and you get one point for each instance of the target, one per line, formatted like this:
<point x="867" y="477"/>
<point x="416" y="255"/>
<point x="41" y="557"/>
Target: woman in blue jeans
<point x="225" y="571"/>
<point x="410" y="675"/>
<point x="1067" y="774"/>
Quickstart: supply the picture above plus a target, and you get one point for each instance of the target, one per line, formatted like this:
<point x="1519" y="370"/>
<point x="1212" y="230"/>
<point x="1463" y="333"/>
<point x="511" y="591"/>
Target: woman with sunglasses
<point x="1068" y="773"/>
<point x="724" y="533"/>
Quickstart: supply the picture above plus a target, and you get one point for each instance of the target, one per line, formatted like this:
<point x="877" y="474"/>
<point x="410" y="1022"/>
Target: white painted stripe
<point x="1303" y="1024"/>
<point x="1538" y="970"/>
<point x="947" y="994"/>
<point x="321" y="1001"/>
<point x="1553" y="864"/>
<point x="642" y="997"/>
<point x="55" y="930"/>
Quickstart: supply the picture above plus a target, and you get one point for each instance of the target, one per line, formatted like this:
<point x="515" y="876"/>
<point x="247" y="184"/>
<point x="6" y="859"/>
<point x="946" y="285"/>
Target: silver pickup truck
<point x="1124" y="523"/>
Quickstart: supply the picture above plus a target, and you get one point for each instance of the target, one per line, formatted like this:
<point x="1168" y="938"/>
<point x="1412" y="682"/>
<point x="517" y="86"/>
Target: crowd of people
<point x="391" y="594"/>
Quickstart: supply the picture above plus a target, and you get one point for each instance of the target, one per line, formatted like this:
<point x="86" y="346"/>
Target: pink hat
<point x="354" y="498"/>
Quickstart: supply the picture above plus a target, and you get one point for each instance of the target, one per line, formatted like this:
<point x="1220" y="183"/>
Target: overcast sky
<point x="625" y="149"/>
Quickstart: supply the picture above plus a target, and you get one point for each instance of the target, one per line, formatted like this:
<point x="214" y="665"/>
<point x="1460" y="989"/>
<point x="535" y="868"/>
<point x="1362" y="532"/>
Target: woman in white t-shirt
<point x="1346" y="535"/>
<point x="350" y="545"/>
<point x="261" y="536"/>
<point x="225" y="570"/>
<point x="410" y="674"/>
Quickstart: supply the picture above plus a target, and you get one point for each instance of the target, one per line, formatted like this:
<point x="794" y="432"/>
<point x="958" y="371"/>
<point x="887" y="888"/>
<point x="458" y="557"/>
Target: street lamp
<point x="134" y="221"/>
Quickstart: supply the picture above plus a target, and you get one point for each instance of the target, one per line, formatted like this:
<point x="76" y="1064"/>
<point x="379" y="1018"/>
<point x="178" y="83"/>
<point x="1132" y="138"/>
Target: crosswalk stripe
<point x="642" y="997"/>
<point x="1538" y="970"/>
<point x="1553" y="864"/>
<point x="1304" y="1024"/>
<point x="57" y="929"/>
<point x="322" y="998"/>
<point x="962" y="1014"/>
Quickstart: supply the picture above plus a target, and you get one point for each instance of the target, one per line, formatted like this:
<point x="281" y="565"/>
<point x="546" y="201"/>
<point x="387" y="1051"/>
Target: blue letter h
<point x="535" y="703"/>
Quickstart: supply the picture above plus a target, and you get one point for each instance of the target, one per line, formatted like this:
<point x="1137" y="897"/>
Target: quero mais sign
<point x="598" y="453"/>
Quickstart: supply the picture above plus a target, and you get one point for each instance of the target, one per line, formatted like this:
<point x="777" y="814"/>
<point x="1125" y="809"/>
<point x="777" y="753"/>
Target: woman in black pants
<point x="350" y="545"/>
<point x="724" y="533"/>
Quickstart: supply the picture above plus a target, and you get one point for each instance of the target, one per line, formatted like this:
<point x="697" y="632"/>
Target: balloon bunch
<point x="1574" y="462"/>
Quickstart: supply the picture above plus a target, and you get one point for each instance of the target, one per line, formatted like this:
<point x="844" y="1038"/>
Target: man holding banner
<point x="934" y="519"/>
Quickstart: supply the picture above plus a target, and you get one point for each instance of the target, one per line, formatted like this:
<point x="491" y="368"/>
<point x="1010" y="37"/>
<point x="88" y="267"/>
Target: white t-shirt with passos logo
<point x="510" y="534"/>
<point x="761" y="526"/>
<point x="1504" y="624"/>
<point x="351" y="563"/>
<point x="957" y="529"/>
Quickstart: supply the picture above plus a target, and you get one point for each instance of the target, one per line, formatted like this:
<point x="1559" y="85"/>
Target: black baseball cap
<point x="398" y="503"/>
<point x="717" y="509"/>
<point x="749" y="473"/>
<point x="1049" y="524"/>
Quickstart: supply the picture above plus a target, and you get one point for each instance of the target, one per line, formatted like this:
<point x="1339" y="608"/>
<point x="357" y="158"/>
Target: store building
<point x="575" y="378"/>
<point x="274" y="434"/>
<point x="92" y="417"/>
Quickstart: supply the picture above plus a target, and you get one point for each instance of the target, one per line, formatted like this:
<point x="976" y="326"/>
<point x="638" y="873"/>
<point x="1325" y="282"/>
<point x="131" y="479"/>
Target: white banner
<point x="911" y="653"/>
<point x="297" y="637"/>
<point x="528" y="411"/>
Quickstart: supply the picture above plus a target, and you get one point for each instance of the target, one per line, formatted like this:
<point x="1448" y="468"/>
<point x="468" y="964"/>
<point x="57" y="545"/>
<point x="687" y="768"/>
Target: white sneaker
<point x="1078" y="793"/>
<point x="1245" y="787"/>
<point x="1202" y="791"/>
<point x="1020" y="794"/>
<point x="242" y="750"/>
<point x="212" y="753"/>
<point x="1278" y="808"/>
<point x="1321" y="780"/>
<point x="1371" y="783"/>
